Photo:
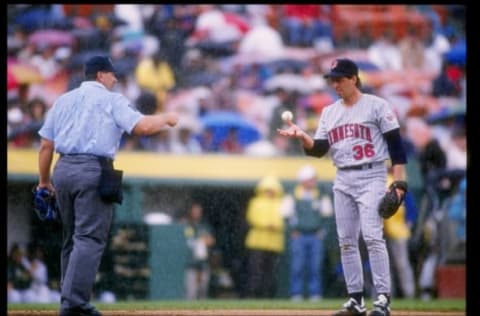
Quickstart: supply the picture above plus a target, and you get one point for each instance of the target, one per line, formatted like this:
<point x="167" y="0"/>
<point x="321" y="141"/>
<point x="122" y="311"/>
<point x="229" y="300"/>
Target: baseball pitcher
<point x="360" y="131"/>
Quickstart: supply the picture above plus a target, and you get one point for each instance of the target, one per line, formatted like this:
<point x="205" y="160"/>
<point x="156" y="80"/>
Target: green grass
<point x="399" y="304"/>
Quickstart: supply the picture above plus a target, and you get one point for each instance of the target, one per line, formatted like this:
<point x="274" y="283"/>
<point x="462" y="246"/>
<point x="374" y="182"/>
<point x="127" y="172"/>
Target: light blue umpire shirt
<point x="89" y="120"/>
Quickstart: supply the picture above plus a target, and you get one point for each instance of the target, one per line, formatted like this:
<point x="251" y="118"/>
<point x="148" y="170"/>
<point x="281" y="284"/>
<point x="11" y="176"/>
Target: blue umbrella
<point x="220" y="123"/>
<point x="457" y="54"/>
<point x="33" y="18"/>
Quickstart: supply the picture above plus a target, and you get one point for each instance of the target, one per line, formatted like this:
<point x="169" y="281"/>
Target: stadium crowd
<point x="232" y="69"/>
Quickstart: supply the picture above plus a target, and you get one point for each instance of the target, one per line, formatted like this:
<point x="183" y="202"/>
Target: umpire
<point x="84" y="126"/>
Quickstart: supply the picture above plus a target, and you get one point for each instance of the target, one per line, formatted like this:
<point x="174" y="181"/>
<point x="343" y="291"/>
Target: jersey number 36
<point x="363" y="151"/>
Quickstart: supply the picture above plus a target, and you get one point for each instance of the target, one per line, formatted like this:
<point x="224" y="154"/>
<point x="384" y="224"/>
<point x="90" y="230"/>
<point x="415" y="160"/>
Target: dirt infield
<point x="237" y="312"/>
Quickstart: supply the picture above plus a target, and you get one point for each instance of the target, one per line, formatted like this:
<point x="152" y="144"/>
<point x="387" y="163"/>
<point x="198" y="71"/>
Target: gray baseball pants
<point x="357" y="194"/>
<point x="86" y="221"/>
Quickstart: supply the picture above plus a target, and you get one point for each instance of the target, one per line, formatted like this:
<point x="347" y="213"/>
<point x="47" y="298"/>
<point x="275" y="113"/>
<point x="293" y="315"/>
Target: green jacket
<point x="309" y="215"/>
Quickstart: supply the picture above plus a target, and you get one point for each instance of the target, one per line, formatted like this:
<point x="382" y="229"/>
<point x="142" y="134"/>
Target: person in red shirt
<point x="304" y="24"/>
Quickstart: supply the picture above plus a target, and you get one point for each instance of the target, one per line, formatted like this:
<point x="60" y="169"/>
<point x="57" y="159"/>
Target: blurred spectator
<point x="155" y="75"/>
<point x="214" y="33"/>
<point x="430" y="154"/>
<point x="75" y="75"/>
<point x="37" y="109"/>
<point x="221" y="282"/>
<point x="231" y="143"/>
<point x="185" y="141"/>
<point x="262" y="40"/>
<point x="207" y="141"/>
<point x="384" y="52"/>
<point x="436" y="45"/>
<point x="397" y="233"/>
<point x="127" y="86"/>
<point x="286" y="101"/>
<point x="18" y="45"/>
<point x="457" y="215"/>
<point x="45" y="61"/>
<point x="412" y="50"/>
<point x="172" y="42"/>
<point x="457" y="151"/>
<point x="195" y="68"/>
<point x="102" y="35"/>
<point x="200" y="239"/>
<point x="161" y="142"/>
<point x="261" y="148"/>
<point x="15" y="120"/>
<point x="436" y="229"/>
<point x="265" y="238"/>
<point x="204" y="102"/>
<point x="39" y="290"/>
<point x="447" y="83"/>
<point x="304" y="24"/>
<point x="146" y="103"/>
<point x="407" y="142"/>
<point x="307" y="212"/>
<point x="131" y="14"/>
<point x="19" y="277"/>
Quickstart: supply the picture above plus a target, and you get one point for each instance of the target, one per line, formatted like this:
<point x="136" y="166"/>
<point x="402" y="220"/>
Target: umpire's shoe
<point x="80" y="312"/>
<point x="352" y="308"/>
<point x="381" y="307"/>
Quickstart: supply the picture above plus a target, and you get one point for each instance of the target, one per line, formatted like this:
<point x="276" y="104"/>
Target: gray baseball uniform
<point x="358" y="150"/>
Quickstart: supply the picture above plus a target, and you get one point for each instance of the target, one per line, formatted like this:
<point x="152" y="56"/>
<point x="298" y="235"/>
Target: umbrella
<point x="11" y="82"/>
<point x="457" y="54"/>
<point x="32" y="17"/>
<point x="20" y="73"/>
<point x="51" y="37"/>
<point x="221" y="122"/>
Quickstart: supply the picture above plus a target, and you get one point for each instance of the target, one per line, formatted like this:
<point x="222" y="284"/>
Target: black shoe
<point x="77" y="311"/>
<point x="352" y="308"/>
<point x="381" y="307"/>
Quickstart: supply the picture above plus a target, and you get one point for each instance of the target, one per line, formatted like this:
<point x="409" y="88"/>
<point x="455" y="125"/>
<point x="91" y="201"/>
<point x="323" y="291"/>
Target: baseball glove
<point x="45" y="205"/>
<point x="390" y="202"/>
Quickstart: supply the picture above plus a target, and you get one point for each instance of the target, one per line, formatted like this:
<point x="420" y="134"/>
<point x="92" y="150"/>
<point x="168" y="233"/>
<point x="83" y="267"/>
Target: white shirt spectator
<point x="385" y="54"/>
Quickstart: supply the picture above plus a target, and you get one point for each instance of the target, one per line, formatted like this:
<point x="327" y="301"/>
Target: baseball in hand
<point x="287" y="116"/>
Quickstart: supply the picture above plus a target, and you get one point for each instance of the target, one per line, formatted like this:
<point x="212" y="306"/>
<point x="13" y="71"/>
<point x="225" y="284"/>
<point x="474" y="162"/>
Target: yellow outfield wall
<point x="208" y="167"/>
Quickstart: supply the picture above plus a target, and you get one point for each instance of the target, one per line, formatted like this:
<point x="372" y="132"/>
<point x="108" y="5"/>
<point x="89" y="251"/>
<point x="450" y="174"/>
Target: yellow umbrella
<point x="23" y="73"/>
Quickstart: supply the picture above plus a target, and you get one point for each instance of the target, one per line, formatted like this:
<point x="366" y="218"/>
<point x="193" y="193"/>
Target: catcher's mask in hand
<point x="45" y="205"/>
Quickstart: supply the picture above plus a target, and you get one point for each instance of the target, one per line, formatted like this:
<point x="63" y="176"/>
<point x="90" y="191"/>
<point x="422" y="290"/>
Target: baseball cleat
<point x="352" y="308"/>
<point x="381" y="307"/>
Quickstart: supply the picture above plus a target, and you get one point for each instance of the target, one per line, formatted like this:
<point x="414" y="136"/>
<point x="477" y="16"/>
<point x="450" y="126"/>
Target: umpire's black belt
<point x="359" y="167"/>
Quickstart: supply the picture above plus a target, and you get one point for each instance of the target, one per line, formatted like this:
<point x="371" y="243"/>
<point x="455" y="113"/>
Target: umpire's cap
<point x="342" y="67"/>
<point x="98" y="63"/>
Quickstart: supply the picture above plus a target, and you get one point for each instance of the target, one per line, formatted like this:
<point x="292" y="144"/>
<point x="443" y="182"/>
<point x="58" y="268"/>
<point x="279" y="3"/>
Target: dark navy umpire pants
<point x="86" y="221"/>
